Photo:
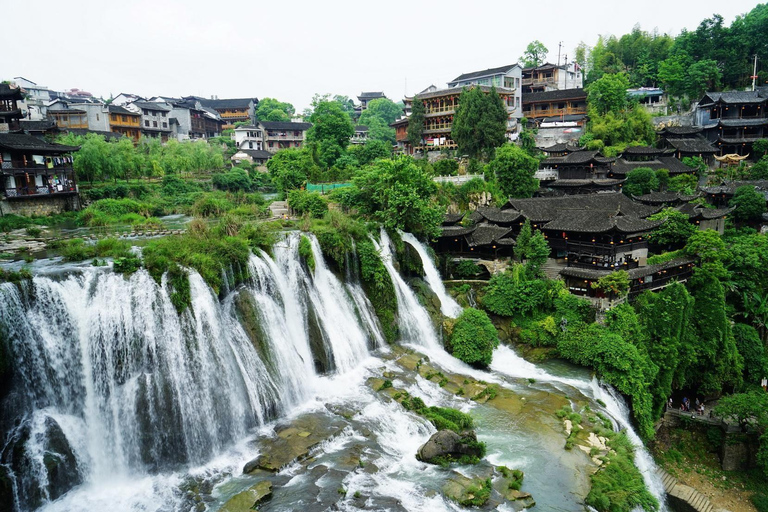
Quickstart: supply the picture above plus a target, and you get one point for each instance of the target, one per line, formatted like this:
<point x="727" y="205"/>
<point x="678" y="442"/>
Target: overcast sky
<point x="291" y="49"/>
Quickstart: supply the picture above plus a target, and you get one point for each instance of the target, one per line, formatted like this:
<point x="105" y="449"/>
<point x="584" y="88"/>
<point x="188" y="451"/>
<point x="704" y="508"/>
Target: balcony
<point x="553" y="112"/>
<point x="29" y="193"/>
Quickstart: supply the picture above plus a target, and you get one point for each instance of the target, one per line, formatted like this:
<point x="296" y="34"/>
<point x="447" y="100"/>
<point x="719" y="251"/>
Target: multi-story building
<point x="155" y="119"/>
<point x="281" y="135"/>
<point x="734" y="120"/>
<point x="556" y="106"/>
<point x="507" y="77"/>
<point x="36" y="99"/>
<point x="79" y="115"/>
<point x="231" y="110"/>
<point x="36" y="177"/>
<point x="10" y="110"/>
<point x="440" y="107"/>
<point x="189" y="119"/>
<point x="122" y="120"/>
<point x="249" y="137"/>
<point x="551" y="77"/>
<point x="367" y="97"/>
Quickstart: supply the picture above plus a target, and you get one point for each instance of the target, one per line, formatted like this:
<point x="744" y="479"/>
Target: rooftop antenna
<point x="754" y="73"/>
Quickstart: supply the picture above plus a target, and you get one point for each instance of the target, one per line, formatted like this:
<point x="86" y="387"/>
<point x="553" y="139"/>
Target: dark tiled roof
<point x="28" y="143"/>
<point x="285" y="125"/>
<point x="485" y="72"/>
<point x="361" y="128"/>
<point x="731" y="186"/>
<point x="257" y="154"/>
<point x="681" y="130"/>
<point x="735" y="97"/>
<point x="453" y="91"/>
<point x="742" y="140"/>
<point x="568" y="183"/>
<point x="486" y="234"/>
<point x="561" y="119"/>
<point x="452" y="218"/>
<point x="697" y="212"/>
<point x="10" y="93"/>
<point x="759" y="121"/>
<point x="117" y="109"/>
<point x="693" y="145"/>
<point x="449" y="231"/>
<point x="673" y="165"/>
<point x="559" y="148"/>
<point x="599" y="221"/>
<point x="498" y="216"/>
<point x="149" y="105"/>
<point x="642" y="150"/>
<point x="665" y="198"/>
<point x="227" y="103"/>
<point x="37" y="126"/>
<point x="371" y="95"/>
<point x="580" y="157"/>
<point x="546" y="209"/>
<point x="535" y="97"/>
<point x="635" y="273"/>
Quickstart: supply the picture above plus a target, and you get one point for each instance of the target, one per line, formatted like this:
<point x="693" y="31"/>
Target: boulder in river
<point x="249" y="499"/>
<point x="447" y="444"/>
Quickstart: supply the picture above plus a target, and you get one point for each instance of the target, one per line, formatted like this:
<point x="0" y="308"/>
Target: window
<point x="125" y="119"/>
<point x="164" y="114"/>
<point x="165" y="125"/>
<point x="271" y="144"/>
<point x="114" y="117"/>
<point x="144" y="111"/>
<point x="146" y="123"/>
<point x="250" y="145"/>
<point x="97" y="117"/>
<point x="154" y="123"/>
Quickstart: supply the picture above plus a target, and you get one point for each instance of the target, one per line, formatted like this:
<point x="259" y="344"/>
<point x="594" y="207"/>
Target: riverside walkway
<point x="683" y="496"/>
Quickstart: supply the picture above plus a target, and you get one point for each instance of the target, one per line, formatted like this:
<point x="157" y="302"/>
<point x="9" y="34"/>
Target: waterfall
<point x="116" y="384"/>
<point x="448" y="306"/>
<point x="507" y="362"/>
<point x="415" y="325"/>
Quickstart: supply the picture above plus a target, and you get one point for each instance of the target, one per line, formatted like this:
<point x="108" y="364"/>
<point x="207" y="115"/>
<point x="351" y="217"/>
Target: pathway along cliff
<point x="117" y="402"/>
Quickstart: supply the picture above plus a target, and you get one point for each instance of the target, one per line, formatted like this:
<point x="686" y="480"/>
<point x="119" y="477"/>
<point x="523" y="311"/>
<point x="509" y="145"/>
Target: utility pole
<point x="754" y="73"/>
<point x="559" y="46"/>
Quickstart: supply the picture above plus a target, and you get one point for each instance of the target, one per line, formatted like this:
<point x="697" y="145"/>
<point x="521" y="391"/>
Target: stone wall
<point x="738" y="452"/>
<point x="40" y="206"/>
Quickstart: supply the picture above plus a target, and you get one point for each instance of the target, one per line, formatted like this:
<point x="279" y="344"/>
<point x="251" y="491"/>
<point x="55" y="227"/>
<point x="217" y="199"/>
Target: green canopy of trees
<point x="270" y="109"/>
<point x="480" y="123"/>
<point x="514" y="169"/>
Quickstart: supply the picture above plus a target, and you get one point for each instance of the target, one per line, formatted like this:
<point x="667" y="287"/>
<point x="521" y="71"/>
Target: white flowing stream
<point x="128" y="400"/>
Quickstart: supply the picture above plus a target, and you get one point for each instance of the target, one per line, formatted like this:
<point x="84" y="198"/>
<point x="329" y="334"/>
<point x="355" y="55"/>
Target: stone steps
<point x="683" y="493"/>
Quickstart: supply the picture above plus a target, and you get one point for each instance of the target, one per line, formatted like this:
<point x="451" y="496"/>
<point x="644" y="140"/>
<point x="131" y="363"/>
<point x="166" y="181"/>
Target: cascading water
<point x="148" y="389"/>
<point x="507" y="362"/>
<point x="414" y="322"/>
<point x="448" y="306"/>
<point x="116" y="399"/>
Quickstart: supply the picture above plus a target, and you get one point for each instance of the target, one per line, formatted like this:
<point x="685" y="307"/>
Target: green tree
<point x="330" y="132"/>
<point x="640" y="181"/>
<point x="675" y="230"/>
<point x="416" y="122"/>
<point x="683" y="183"/>
<point x="399" y="194"/>
<point x="532" y="249"/>
<point x="291" y="168"/>
<point x="473" y="338"/>
<point x="608" y="94"/>
<point x="706" y="245"/>
<point x="480" y="122"/>
<point x="370" y="151"/>
<point x="615" y="284"/>
<point x="752" y="350"/>
<point x="377" y="116"/>
<point x="270" y="109"/>
<point x="535" y="54"/>
<point x="514" y="169"/>
<point x="91" y="161"/>
<point x="749" y="204"/>
<point x="760" y="147"/>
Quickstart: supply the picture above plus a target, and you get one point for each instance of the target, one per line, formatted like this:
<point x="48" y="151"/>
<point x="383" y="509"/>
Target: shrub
<point x="311" y="203"/>
<point x="236" y="180"/>
<point x="473" y="338"/>
<point x="466" y="269"/>
<point x="446" y="167"/>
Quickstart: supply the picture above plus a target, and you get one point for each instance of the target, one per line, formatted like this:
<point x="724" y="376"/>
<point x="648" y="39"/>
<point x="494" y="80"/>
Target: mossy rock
<point x="250" y="499"/>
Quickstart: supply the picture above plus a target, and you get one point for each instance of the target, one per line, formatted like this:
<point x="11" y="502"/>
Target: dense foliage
<point x="513" y="169"/>
<point x="473" y="338"/>
<point x="480" y="123"/>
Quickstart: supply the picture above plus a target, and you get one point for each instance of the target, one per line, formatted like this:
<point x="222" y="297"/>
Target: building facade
<point x="125" y="122"/>
<point x="155" y="119"/>
<point x="551" y="77"/>
<point x="36" y="177"/>
<point x="10" y="108"/>
<point x="733" y="120"/>
<point x="506" y="77"/>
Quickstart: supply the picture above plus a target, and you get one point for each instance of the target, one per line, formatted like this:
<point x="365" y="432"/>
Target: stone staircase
<point x="279" y="209"/>
<point x="683" y="497"/>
